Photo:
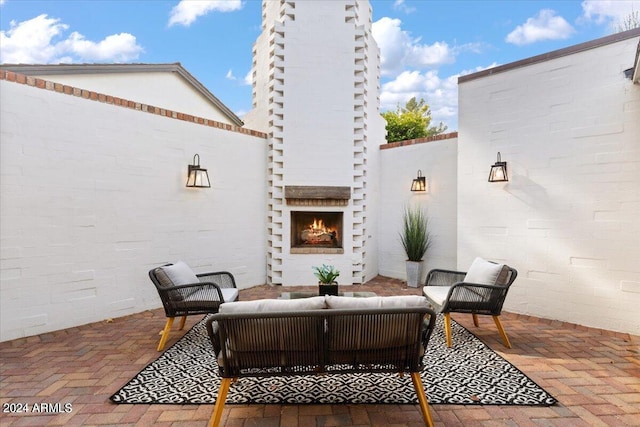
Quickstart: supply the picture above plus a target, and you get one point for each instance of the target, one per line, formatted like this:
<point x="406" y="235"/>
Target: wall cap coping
<point x="441" y="137"/>
<point x="603" y="41"/>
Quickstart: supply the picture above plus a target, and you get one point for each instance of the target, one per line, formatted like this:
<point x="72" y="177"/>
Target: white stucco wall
<point x="398" y="167"/>
<point x="569" y="218"/>
<point x="93" y="196"/>
<point x="159" y="89"/>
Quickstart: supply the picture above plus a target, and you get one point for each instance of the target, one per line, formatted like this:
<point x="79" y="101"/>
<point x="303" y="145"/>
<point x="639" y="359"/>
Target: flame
<point x="318" y="225"/>
<point x="318" y="232"/>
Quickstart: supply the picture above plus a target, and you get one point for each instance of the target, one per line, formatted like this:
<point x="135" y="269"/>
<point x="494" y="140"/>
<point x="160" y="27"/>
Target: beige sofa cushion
<point x="271" y="305"/>
<point x="398" y="301"/>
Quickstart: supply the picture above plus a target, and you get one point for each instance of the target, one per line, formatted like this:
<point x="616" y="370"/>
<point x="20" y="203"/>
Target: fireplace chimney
<point x="315" y="92"/>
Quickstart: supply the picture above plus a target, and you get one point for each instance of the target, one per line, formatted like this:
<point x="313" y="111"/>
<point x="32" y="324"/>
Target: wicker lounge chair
<point x="184" y="293"/>
<point x="481" y="290"/>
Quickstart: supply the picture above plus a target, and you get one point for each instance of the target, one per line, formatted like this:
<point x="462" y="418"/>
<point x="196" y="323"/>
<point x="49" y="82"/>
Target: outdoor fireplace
<point x="315" y="232"/>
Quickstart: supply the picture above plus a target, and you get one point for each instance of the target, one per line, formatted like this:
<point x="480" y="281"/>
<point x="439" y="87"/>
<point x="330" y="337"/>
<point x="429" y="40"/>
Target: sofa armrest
<point x="427" y="327"/>
<point x="214" y="335"/>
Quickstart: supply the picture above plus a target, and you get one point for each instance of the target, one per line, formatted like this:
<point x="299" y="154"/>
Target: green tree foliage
<point x="411" y="121"/>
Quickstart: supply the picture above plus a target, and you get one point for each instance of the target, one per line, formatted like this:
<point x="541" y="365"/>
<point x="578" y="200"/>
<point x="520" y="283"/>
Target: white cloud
<point x="610" y="12"/>
<point x="546" y="25"/>
<point x="34" y="42"/>
<point x="116" y="47"/>
<point x="246" y="80"/>
<point x="478" y="68"/>
<point x="399" y="51"/>
<point x="402" y="6"/>
<point x="440" y="94"/>
<point x="187" y="11"/>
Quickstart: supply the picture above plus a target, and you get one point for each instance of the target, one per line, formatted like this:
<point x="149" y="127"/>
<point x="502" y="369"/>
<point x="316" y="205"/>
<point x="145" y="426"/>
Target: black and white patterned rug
<point x="466" y="374"/>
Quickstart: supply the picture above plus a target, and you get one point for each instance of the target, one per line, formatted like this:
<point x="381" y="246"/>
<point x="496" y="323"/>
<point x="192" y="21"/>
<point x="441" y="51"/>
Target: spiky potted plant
<point x="416" y="240"/>
<point x="326" y="275"/>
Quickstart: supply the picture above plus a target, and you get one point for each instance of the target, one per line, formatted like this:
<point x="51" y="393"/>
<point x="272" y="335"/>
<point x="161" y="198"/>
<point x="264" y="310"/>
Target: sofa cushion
<point x="398" y="301"/>
<point x="483" y="272"/>
<point x="271" y="305"/>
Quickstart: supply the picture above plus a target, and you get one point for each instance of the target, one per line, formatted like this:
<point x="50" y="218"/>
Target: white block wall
<point x="93" y="196"/>
<point x="569" y="218"/>
<point x="398" y="167"/>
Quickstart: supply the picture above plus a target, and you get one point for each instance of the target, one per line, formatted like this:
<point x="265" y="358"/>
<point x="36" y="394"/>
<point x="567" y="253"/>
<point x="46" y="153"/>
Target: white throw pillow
<point x="180" y="274"/>
<point x="375" y="302"/>
<point x="271" y="305"/>
<point x="483" y="272"/>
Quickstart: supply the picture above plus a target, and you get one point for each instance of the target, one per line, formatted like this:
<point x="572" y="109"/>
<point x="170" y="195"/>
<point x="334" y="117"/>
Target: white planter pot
<point x="414" y="273"/>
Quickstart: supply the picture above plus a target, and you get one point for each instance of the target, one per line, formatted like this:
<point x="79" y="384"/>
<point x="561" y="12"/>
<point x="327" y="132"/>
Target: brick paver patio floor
<point x="594" y="374"/>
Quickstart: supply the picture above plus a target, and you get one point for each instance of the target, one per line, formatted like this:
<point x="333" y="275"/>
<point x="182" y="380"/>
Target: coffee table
<point x="308" y="294"/>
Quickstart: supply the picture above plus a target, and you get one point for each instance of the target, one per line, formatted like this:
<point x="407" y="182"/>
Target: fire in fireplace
<point x="316" y="229"/>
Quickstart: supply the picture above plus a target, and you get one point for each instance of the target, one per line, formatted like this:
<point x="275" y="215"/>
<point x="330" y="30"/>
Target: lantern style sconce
<point x="419" y="183"/>
<point x="498" y="171"/>
<point x="198" y="177"/>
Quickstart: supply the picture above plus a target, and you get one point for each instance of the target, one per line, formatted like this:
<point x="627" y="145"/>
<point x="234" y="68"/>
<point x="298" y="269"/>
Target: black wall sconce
<point x="498" y="172"/>
<point x="198" y="177"/>
<point x="419" y="183"/>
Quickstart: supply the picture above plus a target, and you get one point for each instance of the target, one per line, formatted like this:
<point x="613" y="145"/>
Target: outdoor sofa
<point x="323" y="334"/>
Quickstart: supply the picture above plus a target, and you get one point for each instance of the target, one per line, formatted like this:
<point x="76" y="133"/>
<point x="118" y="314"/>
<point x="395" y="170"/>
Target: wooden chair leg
<point x="422" y="398"/>
<point x="475" y="320"/>
<point x="503" y="334"/>
<point x="216" y="416"/>
<point x="165" y="333"/>
<point x="184" y="319"/>
<point x="447" y="328"/>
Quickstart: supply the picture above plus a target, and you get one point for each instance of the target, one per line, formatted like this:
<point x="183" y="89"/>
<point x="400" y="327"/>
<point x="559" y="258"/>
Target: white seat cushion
<point x="483" y="272"/>
<point x="270" y="305"/>
<point x="229" y="294"/>
<point x="437" y="294"/>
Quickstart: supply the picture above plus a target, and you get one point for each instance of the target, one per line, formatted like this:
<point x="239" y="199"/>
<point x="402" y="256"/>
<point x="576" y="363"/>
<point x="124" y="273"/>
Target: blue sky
<point x="425" y="45"/>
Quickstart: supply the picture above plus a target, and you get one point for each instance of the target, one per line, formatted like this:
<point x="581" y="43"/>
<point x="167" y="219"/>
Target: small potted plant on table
<point x="326" y="275"/>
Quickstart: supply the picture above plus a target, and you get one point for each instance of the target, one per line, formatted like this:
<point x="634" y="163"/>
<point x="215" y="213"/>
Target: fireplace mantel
<point x="314" y="195"/>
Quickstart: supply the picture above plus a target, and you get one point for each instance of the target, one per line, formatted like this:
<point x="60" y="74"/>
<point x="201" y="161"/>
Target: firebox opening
<point x="316" y="229"/>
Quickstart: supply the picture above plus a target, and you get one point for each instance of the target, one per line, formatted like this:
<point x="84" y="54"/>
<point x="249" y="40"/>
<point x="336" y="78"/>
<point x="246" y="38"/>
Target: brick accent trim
<point x="440" y="137"/>
<point x="37" y="83"/>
